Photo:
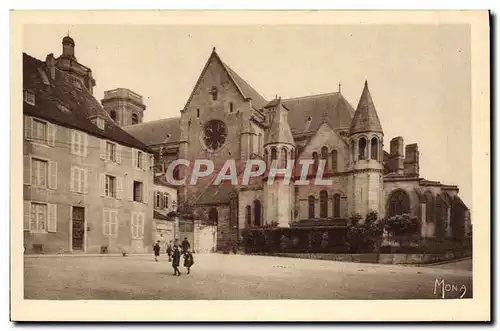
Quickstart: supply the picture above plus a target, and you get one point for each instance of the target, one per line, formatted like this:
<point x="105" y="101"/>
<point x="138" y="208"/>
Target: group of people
<point x="174" y="253"/>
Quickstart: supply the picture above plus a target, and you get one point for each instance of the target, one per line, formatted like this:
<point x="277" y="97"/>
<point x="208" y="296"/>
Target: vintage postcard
<point x="250" y="166"/>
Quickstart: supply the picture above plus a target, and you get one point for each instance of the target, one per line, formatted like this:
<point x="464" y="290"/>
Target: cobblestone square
<point x="237" y="277"/>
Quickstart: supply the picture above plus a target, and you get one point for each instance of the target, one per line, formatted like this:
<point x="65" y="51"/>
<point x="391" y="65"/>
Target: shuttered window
<point x="110" y="222"/>
<point x="137" y="225"/>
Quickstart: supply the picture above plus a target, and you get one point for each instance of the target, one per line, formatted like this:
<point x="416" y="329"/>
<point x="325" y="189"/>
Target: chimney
<point x="396" y="157"/>
<point x="50" y="63"/>
<point x="412" y="160"/>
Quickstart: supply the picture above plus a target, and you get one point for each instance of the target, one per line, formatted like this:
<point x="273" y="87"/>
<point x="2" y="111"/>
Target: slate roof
<point x="365" y="118"/>
<point x="248" y="91"/>
<point x="62" y="91"/>
<point x="279" y="131"/>
<point x="216" y="194"/>
<point x="156" y="132"/>
<point x="333" y="106"/>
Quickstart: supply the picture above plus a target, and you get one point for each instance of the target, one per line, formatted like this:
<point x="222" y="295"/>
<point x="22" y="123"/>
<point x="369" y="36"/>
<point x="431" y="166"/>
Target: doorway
<point x="78" y="233"/>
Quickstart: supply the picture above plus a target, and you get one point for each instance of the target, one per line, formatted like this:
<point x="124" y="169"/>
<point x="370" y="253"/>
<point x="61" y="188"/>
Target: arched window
<point x="324" y="156"/>
<point x="266" y="157"/>
<point x="213" y="216"/>
<point x="274" y="155"/>
<point x="334" y="161"/>
<point x="214" y="93"/>
<point x="231" y="107"/>
<point x="352" y="151"/>
<point x="248" y="215"/>
<point x="323" y="204"/>
<point x="284" y="157"/>
<point x="374" y="149"/>
<point x="257" y="212"/>
<point x="362" y="148"/>
<point x="398" y="203"/>
<point x="113" y="115"/>
<point x="440" y="218"/>
<point x="310" y="201"/>
<point x="429" y="207"/>
<point x="135" y="119"/>
<point x="336" y="205"/>
<point x="316" y="162"/>
<point x="198" y="112"/>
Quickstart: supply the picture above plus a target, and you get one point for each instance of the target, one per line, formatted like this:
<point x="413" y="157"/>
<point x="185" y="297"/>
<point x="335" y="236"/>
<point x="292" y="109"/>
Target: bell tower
<point x="366" y="158"/>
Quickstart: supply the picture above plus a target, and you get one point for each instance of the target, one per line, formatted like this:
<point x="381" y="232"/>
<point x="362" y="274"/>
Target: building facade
<point x="87" y="182"/>
<point x="226" y="118"/>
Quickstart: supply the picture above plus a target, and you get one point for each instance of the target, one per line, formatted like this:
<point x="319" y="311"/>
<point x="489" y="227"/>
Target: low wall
<point x="397" y="258"/>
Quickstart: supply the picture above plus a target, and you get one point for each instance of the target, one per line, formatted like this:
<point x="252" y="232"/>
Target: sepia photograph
<point x="233" y="158"/>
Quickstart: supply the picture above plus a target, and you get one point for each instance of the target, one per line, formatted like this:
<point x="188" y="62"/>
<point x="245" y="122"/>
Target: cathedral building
<point x="226" y="118"/>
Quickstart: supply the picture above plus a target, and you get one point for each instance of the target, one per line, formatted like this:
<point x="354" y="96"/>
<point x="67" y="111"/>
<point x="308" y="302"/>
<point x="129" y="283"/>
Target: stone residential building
<point x="226" y="118"/>
<point x="87" y="182"/>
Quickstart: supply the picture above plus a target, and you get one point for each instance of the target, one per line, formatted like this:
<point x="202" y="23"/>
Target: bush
<point x="364" y="237"/>
<point x="402" y="227"/>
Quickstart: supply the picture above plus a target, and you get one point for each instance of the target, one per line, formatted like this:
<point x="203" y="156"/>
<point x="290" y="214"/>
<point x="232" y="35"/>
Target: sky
<point x="418" y="75"/>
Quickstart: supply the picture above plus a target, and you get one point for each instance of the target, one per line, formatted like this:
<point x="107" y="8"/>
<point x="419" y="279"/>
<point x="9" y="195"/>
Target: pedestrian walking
<point x="156" y="249"/>
<point x="176" y="259"/>
<point x="185" y="245"/>
<point x="169" y="251"/>
<point x="188" y="260"/>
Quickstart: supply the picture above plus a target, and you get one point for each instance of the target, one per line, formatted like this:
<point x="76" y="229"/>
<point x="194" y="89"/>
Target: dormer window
<point x="63" y="108"/>
<point x="100" y="123"/>
<point x="29" y="97"/>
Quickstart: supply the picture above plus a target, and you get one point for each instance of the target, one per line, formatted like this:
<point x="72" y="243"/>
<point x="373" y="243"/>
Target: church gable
<point x="325" y="136"/>
<point x="215" y="90"/>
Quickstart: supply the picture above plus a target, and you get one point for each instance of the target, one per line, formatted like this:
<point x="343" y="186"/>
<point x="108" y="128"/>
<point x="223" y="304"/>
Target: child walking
<point x="176" y="259"/>
<point x="188" y="260"/>
<point x="156" y="249"/>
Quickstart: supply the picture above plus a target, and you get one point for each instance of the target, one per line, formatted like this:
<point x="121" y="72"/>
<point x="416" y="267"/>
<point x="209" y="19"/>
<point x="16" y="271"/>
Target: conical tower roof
<point x="365" y="118"/>
<point x="279" y="130"/>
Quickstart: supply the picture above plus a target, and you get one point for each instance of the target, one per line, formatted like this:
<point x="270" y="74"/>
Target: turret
<point x="279" y="151"/>
<point x="366" y="156"/>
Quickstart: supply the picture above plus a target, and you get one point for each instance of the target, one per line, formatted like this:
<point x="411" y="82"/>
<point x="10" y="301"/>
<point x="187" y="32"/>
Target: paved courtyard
<point x="236" y="277"/>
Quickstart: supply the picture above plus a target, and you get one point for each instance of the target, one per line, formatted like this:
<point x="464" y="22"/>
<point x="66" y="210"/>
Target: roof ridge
<point x="150" y="122"/>
<point x="232" y="71"/>
<point x="312" y="96"/>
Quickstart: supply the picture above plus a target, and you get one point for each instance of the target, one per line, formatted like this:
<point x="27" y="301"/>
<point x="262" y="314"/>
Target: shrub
<point x="366" y="236"/>
<point x="402" y="227"/>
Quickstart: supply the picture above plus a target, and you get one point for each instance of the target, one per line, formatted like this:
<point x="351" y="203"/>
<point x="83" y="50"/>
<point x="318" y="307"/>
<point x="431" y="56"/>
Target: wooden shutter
<point x="134" y="158"/>
<point x="27" y="215"/>
<point x="85" y="181"/>
<point x="28" y="127"/>
<point x="119" y="188"/>
<point x="53" y="175"/>
<point x="145" y="191"/>
<point x="144" y="161"/>
<point x="73" y="142"/>
<point x="85" y="144"/>
<point x="118" y="154"/>
<point x="27" y="169"/>
<point x="133" y="222"/>
<point x="51" y="134"/>
<point x="115" y="223"/>
<point x="140" y="226"/>
<point x="72" y="177"/>
<point x="130" y="189"/>
<point x="105" y="221"/>
<point x="102" y="185"/>
<point x="52" y="218"/>
<point x="103" y="149"/>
